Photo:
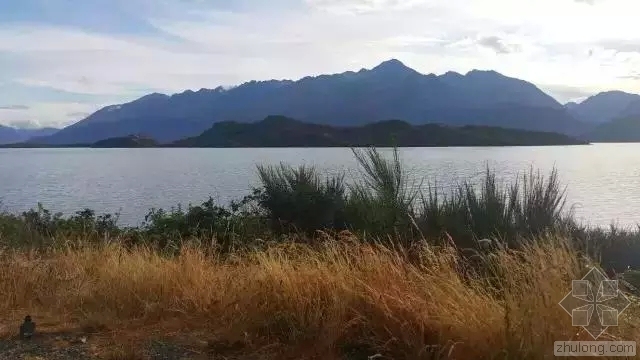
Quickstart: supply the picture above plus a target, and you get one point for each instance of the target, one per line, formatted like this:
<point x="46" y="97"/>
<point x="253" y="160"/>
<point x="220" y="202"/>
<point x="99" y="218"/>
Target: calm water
<point x="603" y="180"/>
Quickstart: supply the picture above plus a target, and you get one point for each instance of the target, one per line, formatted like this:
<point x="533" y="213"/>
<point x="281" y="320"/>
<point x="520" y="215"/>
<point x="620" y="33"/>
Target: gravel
<point x="43" y="348"/>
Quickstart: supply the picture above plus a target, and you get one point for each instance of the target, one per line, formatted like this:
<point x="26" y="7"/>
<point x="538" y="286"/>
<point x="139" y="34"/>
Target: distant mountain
<point x="616" y="115"/>
<point x="390" y="90"/>
<point x="9" y="135"/>
<point x="603" y="107"/>
<point x="625" y="129"/>
<point x="571" y="105"/>
<point x="632" y="110"/>
<point x="280" y="131"/>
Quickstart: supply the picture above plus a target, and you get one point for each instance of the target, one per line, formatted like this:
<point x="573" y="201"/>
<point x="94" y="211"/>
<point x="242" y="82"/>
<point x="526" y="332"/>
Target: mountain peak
<point x="605" y="106"/>
<point x="155" y="95"/>
<point x="452" y="74"/>
<point x="393" y="65"/>
<point x="476" y="72"/>
<point x="615" y="92"/>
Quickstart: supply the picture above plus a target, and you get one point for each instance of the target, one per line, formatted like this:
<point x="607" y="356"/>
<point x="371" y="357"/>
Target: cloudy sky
<point x="63" y="59"/>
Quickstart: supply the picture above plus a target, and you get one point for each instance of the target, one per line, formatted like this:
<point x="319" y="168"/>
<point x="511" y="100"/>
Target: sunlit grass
<point x="337" y="297"/>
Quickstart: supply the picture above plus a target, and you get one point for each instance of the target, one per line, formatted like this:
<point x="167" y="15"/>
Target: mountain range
<point x="10" y="135"/>
<point x="390" y="90"/>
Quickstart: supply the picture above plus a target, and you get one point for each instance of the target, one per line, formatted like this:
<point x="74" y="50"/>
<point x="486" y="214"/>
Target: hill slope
<point x="625" y="129"/>
<point x="389" y="91"/>
<point x="279" y="131"/>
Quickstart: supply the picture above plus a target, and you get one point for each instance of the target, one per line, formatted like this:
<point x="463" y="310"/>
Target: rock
<point x="28" y="328"/>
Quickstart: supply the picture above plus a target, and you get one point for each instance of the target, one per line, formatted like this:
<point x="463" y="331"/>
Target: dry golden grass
<point x="298" y="301"/>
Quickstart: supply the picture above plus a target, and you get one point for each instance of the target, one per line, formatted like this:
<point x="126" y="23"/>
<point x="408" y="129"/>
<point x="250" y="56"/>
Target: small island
<point x="131" y="141"/>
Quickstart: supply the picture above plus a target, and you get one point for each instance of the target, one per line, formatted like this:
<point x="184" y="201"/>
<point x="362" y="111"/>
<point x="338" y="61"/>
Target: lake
<point x="603" y="180"/>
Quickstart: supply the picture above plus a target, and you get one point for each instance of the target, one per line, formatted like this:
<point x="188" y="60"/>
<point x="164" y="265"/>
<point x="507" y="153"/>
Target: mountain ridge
<point x="604" y="106"/>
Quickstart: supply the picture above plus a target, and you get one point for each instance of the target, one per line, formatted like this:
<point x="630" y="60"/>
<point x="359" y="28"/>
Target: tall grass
<point x="512" y="213"/>
<point x="338" y="298"/>
<point x="381" y="201"/>
<point x="385" y="201"/>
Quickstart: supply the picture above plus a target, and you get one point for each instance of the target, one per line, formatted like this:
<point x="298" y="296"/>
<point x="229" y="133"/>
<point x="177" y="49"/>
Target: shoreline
<point x="280" y="131"/>
<point x="301" y="200"/>
<point x="84" y="146"/>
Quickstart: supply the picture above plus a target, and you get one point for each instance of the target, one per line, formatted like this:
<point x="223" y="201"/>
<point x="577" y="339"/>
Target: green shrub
<point x="297" y="199"/>
<point x="196" y="221"/>
<point x="40" y="227"/>
<point x="381" y="202"/>
<point x="218" y="225"/>
<point x="615" y="249"/>
<point x="509" y="213"/>
<point x="84" y="222"/>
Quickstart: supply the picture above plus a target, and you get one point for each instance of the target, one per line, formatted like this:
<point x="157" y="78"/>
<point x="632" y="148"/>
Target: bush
<point x="381" y="203"/>
<point x="508" y="213"/>
<point x="616" y="249"/>
<point x="84" y="222"/>
<point x="220" y="226"/>
<point x="199" y="220"/>
<point x="41" y="227"/>
<point x="296" y="199"/>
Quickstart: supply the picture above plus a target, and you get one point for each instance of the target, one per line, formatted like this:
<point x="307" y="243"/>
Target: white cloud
<point x="558" y="44"/>
<point x="364" y="6"/>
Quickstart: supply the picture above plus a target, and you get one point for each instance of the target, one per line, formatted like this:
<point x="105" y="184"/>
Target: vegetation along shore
<point x="281" y="131"/>
<point x="308" y="266"/>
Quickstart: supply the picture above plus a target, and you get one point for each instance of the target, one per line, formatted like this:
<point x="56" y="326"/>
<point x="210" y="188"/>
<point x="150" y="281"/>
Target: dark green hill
<point x="131" y="141"/>
<point x="280" y="131"/>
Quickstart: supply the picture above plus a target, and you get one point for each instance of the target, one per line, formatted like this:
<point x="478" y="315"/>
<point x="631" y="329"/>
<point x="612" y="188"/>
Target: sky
<point x="61" y="60"/>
